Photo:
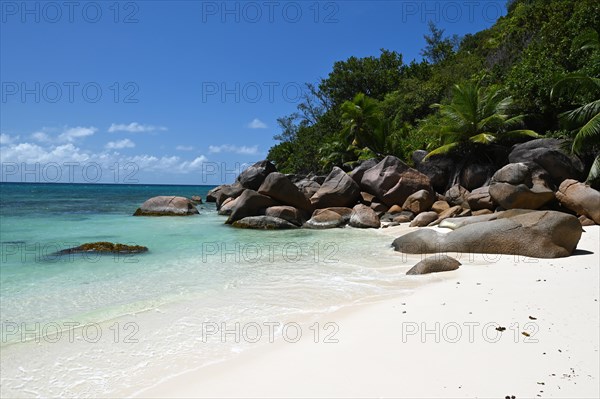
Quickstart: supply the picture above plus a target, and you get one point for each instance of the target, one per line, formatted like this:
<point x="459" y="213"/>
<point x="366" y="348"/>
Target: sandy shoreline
<point x="439" y="341"/>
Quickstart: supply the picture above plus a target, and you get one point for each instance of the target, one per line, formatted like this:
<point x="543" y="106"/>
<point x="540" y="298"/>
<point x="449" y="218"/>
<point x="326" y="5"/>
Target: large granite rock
<point x="480" y="199"/>
<point x="221" y="193"/>
<point x="440" y="206"/>
<point x="521" y="186"/>
<point x="165" y="205"/>
<point x="254" y="175"/>
<point x="550" y="154"/>
<point x="364" y="217"/>
<point x="263" y="223"/>
<point x="358" y="172"/>
<point x="338" y="190"/>
<point x="539" y="234"/>
<point x="325" y="219"/>
<point x="308" y="187"/>
<point x="424" y="219"/>
<point x="420" y="201"/>
<point x="289" y="213"/>
<point x="280" y="188"/>
<point x="439" y="168"/>
<point x="580" y="198"/>
<point x="475" y="175"/>
<point x="457" y="195"/>
<point x="250" y="203"/>
<point x="228" y="206"/>
<point x="434" y="264"/>
<point x="392" y="181"/>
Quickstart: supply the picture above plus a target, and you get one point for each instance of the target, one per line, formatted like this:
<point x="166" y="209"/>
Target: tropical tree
<point x="363" y="124"/>
<point x="475" y="115"/>
<point x="584" y="121"/>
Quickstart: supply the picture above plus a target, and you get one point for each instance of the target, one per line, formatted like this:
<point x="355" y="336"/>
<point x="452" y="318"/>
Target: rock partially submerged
<point x="250" y="203"/>
<point x="264" y="223"/>
<point x="434" y="264"/>
<point x="325" y="219"/>
<point x="167" y="206"/>
<point x="103" y="247"/>
<point x="538" y="234"/>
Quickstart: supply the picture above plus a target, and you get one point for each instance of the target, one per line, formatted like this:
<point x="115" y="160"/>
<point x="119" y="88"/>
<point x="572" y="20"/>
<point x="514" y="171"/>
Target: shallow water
<point x="107" y="325"/>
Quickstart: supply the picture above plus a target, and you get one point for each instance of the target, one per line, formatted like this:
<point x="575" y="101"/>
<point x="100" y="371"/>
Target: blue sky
<point x="181" y="92"/>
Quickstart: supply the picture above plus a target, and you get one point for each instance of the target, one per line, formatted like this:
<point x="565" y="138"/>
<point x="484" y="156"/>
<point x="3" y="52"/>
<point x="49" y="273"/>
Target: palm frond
<point x="483" y="138"/>
<point x="580" y="115"/>
<point x="588" y="40"/>
<point x="587" y="133"/>
<point x="521" y="133"/>
<point x="573" y="84"/>
<point x="442" y="150"/>
<point x="594" y="171"/>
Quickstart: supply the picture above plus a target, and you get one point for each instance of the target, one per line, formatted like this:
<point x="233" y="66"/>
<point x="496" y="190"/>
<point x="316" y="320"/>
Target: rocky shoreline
<point x="533" y="205"/>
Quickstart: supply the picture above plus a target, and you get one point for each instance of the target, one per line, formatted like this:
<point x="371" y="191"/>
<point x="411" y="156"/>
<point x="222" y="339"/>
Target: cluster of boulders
<point x="540" y="176"/>
<point x="263" y="198"/>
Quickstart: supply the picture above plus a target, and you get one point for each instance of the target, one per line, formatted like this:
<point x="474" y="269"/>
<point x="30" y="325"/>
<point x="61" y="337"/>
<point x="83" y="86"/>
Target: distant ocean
<point x="113" y="325"/>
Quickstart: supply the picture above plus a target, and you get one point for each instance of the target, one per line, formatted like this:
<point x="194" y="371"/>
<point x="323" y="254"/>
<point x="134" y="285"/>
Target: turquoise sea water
<point x="151" y="309"/>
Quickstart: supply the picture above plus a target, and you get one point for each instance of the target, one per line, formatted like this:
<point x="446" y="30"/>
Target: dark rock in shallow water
<point x="250" y="203"/>
<point x="228" y="191"/>
<point x="103" y="247"/>
<point x="538" y="234"/>
<point x="228" y="206"/>
<point x="325" y="219"/>
<point x="434" y="264"/>
<point x="263" y="223"/>
<point x="167" y="206"/>
<point x="196" y="199"/>
<point x="289" y="213"/>
<point x="255" y="175"/>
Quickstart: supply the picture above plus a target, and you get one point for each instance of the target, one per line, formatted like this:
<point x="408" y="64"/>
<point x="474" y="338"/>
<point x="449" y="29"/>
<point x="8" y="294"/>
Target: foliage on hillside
<point x="376" y="106"/>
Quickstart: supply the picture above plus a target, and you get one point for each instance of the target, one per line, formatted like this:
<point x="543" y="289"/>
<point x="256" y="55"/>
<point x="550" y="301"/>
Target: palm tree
<point x="584" y="120"/>
<point x="476" y="115"/>
<point x="363" y="125"/>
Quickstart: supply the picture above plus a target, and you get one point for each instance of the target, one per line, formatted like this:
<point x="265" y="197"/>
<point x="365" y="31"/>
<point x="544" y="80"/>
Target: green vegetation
<point x="535" y="70"/>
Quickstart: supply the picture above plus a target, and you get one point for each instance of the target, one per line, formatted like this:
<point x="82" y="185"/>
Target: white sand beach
<point x="439" y="341"/>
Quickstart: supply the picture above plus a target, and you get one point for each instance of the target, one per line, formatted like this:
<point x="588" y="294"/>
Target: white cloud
<point x="117" y="145"/>
<point x="71" y="134"/>
<point x="184" y="148"/>
<point x="245" y="150"/>
<point x="134" y="127"/>
<point x="6" y="139"/>
<point x="31" y="153"/>
<point x="256" y="124"/>
<point x="41" y="137"/>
